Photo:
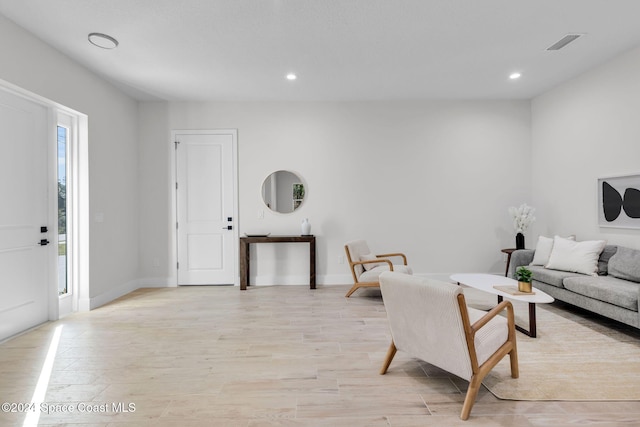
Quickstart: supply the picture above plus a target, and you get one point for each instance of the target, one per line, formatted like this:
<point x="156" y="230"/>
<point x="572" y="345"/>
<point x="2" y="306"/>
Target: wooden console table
<point x="245" y="255"/>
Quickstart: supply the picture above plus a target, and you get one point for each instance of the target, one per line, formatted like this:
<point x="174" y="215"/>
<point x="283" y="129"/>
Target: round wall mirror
<point x="283" y="191"/>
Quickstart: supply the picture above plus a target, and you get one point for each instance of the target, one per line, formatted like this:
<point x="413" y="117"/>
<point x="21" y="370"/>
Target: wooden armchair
<point x="366" y="267"/>
<point x="430" y="321"/>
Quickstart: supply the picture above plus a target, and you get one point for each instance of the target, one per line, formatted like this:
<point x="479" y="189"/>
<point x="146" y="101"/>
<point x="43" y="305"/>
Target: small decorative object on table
<point x="522" y="219"/>
<point x="306" y="227"/>
<point x="524" y="275"/>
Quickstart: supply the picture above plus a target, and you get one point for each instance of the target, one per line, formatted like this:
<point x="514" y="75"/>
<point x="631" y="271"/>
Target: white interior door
<point x="24" y="270"/>
<point x="206" y="207"/>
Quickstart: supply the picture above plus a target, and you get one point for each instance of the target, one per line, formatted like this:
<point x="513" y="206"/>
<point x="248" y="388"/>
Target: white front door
<point x="24" y="270"/>
<point x="206" y="207"/>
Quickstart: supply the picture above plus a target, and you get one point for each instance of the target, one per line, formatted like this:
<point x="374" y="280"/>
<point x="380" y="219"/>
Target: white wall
<point x="113" y="151"/>
<point x="586" y="129"/>
<point x="154" y="199"/>
<point x="432" y="179"/>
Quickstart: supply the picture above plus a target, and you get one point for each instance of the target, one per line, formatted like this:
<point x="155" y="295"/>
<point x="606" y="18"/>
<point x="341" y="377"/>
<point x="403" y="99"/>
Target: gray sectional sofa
<point x="613" y="293"/>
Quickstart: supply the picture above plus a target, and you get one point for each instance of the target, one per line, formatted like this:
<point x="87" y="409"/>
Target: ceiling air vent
<point x="564" y="41"/>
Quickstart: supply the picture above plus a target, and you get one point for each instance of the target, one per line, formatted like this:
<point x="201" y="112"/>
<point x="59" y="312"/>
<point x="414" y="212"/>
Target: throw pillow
<point x="543" y="250"/>
<point x="370" y="257"/>
<point x="577" y="257"/>
<point x="625" y="264"/>
<point x="605" y="256"/>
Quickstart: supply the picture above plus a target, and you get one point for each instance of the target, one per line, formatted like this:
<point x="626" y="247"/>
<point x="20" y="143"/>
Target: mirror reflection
<point x="283" y="191"/>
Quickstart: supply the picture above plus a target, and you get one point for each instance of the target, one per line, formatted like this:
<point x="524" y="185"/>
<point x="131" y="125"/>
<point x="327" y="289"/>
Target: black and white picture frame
<point x="619" y="201"/>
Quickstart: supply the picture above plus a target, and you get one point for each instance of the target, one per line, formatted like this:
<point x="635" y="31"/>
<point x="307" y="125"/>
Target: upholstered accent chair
<point x="366" y="267"/>
<point x="430" y="321"/>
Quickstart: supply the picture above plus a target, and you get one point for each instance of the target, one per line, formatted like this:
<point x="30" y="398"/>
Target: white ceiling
<point x="340" y="49"/>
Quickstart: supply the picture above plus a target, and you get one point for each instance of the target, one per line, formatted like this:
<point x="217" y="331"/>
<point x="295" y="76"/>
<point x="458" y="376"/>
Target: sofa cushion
<point x="605" y="256"/>
<point x="579" y="257"/>
<point x="622" y="293"/>
<point x="550" y="277"/>
<point x="625" y="264"/>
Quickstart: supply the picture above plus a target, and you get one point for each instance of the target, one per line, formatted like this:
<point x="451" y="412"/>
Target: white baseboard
<point x="347" y="279"/>
<point x="87" y="304"/>
<point x="157" y="282"/>
<point x="327" y="279"/>
<point x="335" y="279"/>
<point x="280" y="280"/>
<point x="344" y="279"/>
<point x="84" y="304"/>
<point x="107" y="297"/>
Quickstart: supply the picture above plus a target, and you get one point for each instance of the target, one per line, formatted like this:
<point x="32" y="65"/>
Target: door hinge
<point x="176" y="225"/>
<point x="177" y="266"/>
<point x="176" y="185"/>
<point x="176" y="144"/>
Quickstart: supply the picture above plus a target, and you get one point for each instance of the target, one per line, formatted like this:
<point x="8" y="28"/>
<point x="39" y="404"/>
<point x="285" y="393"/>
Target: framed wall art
<point x="619" y="201"/>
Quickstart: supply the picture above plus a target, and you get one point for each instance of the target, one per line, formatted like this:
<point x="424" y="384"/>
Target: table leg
<point x="244" y="265"/>
<point x="532" y="320"/>
<point x="312" y="264"/>
<point x="532" y="332"/>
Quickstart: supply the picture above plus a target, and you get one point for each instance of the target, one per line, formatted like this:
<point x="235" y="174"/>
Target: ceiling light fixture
<point x="103" y="41"/>
<point x="515" y="76"/>
<point x="291" y="76"/>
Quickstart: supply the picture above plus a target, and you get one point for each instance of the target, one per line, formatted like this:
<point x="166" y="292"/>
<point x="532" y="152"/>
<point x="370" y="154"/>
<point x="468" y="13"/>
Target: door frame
<point x="69" y="302"/>
<point x="77" y="210"/>
<point x="173" y="239"/>
<point x="80" y="194"/>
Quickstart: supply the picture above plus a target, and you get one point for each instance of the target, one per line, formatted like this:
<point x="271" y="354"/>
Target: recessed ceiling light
<point x="291" y="76"/>
<point x="102" y="40"/>
<point x="515" y="76"/>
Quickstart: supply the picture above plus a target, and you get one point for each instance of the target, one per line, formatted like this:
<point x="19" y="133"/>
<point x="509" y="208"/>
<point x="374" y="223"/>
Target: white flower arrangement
<point x="522" y="217"/>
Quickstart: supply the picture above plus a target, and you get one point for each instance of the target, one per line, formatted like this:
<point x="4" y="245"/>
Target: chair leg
<point x="513" y="359"/>
<point x="359" y="285"/>
<point x="352" y="290"/>
<point x="470" y="399"/>
<point x="387" y="361"/>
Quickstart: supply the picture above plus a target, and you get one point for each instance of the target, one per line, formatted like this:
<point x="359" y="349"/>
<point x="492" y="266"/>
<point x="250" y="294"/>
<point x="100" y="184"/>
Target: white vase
<point x="306" y="227"/>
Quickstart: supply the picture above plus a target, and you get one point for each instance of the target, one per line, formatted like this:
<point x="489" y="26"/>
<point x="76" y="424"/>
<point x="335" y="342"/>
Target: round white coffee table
<point x="487" y="283"/>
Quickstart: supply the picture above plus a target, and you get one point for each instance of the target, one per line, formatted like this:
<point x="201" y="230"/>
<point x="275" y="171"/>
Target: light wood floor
<point x="268" y="356"/>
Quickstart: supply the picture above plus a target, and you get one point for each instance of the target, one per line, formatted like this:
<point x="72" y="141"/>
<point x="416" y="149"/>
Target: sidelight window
<point x="63" y="139"/>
